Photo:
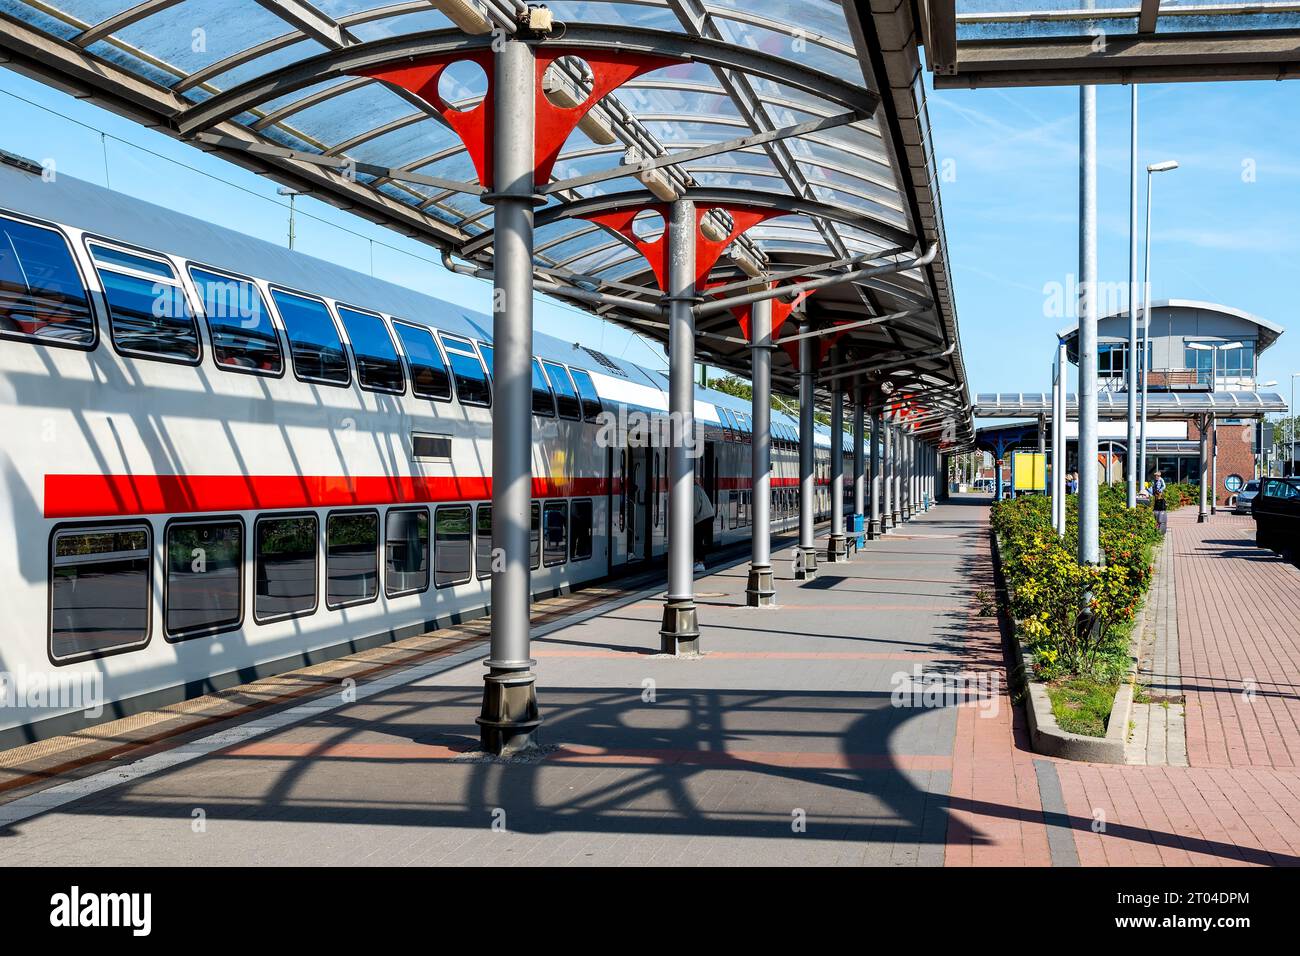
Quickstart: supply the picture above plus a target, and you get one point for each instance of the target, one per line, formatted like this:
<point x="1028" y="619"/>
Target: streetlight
<point x="293" y="194"/>
<point x="1163" y="167"/>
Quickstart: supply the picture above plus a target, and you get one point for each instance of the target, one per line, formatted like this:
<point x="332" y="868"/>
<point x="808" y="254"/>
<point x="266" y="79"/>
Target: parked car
<point x="1276" y="510"/>
<point x="1245" y="497"/>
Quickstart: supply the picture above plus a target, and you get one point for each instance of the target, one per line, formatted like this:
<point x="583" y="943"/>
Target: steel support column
<point x="1203" y="424"/>
<point x="680" y="631"/>
<point x="896" y="475"/>
<point x="807" y="564"/>
<point x="1089" y="530"/>
<point x="875" y="529"/>
<point x="760" y="591"/>
<point x="837" y="545"/>
<point x="1058" y="439"/>
<point x="510" y="717"/>
<point x="859" y="464"/>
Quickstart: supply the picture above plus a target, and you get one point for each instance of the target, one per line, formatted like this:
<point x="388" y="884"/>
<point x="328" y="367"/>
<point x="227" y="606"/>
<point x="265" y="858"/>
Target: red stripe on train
<point x="87" y="496"/>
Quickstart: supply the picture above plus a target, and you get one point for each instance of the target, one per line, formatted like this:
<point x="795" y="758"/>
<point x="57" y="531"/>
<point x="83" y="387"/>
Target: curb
<point x="1045" y="735"/>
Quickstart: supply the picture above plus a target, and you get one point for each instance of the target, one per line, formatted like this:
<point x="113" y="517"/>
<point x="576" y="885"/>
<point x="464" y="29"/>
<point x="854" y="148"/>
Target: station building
<point x="1192" y="348"/>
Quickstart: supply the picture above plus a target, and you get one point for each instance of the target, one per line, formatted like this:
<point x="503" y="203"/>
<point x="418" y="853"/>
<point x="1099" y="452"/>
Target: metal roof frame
<point x="881" y="162"/>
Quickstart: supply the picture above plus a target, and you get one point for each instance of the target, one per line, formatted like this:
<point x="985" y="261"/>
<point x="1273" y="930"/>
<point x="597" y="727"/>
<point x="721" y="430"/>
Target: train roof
<point x="76" y="202"/>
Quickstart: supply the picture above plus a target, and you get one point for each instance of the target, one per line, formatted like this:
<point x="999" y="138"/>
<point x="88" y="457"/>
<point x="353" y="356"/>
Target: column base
<point x="510" y="719"/>
<point x="898" y="516"/>
<point x="837" y="549"/>
<point x="760" y="591"/>
<point x="808" y="570"/>
<point x="1201" y="517"/>
<point x="873" y="530"/>
<point x="679" y="634"/>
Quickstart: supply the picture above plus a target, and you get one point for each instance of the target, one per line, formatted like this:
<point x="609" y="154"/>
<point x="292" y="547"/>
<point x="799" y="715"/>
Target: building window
<point x="284" y="567"/>
<point x="99" y="590"/>
<point x="452" y="541"/>
<point x="243" y="336"/>
<point x="429" y="376"/>
<point x="556" y="547"/>
<point x="205" y="581"/>
<point x="42" y="297"/>
<point x="378" y="367"/>
<point x="147" y="309"/>
<point x="314" y="342"/>
<point x="406" y="551"/>
<point x="351" y="558"/>
<point x="1112" y="360"/>
<point x="1200" y="361"/>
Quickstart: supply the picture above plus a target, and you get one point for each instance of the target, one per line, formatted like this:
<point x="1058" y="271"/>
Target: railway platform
<point x="865" y="720"/>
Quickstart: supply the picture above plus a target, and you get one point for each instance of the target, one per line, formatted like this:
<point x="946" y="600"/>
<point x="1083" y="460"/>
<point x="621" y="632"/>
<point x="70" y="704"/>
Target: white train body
<point x="177" y="517"/>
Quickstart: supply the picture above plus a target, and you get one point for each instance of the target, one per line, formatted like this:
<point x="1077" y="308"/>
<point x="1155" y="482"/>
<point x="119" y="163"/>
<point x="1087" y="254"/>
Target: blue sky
<point x="1011" y="210"/>
<point x="1226" y="223"/>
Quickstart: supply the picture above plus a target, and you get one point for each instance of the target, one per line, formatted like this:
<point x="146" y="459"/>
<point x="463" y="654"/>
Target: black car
<point x="1276" y="510"/>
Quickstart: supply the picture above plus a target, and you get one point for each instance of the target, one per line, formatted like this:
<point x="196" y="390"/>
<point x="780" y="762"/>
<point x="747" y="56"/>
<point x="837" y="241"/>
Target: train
<point x="223" y="459"/>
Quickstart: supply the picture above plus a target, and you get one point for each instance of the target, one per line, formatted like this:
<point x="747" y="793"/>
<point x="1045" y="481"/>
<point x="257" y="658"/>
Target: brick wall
<point x="1236" y="456"/>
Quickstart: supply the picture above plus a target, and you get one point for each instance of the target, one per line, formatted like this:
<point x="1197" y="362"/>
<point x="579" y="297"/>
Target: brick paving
<point x="780" y="746"/>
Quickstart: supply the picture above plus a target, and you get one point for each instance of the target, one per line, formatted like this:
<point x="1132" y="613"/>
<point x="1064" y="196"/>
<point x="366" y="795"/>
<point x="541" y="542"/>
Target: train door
<point x="710" y="483"/>
<point x="638" y="497"/>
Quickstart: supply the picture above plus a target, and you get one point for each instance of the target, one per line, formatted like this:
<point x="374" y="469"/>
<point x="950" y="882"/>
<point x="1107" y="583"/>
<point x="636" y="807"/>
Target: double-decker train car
<point x="222" y="458"/>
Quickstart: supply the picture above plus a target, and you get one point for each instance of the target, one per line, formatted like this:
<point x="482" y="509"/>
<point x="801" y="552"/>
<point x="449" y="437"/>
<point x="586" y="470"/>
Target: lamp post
<point x="1163" y="167"/>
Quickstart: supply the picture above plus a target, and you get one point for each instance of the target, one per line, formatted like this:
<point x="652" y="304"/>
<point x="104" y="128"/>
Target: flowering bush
<point x="1075" y="617"/>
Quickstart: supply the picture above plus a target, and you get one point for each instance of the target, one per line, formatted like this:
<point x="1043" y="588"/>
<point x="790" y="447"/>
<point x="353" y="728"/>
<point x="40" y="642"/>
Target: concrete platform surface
<point x="864" y="721"/>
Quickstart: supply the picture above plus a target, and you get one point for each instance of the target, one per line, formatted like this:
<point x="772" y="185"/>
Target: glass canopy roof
<point x="1038" y="42"/>
<point x="274" y="85"/>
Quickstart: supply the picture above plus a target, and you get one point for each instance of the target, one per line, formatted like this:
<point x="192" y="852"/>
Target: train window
<point x="556" y="539"/>
<point x="42" y="297"/>
<point x="243" y="336"/>
<point x="429" y="378"/>
<point x="205" y="580"/>
<point x="588" y="395"/>
<point x="467" y="368"/>
<point x="580" y="517"/>
<point x="99" y="590"/>
<point x="543" y="401"/>
<point x="451" y="545"/>
<point x="378" y="367"/>
<point x="535" y="538"/>
<point x="314" y="341"/>
<point x="284" y="567"/>
<point x="147" y="310"/>
<point x="351" y="558"/>
<point x="483" y="540"/>
<point x="566" y="396"/>
<point x="406" y="551"/>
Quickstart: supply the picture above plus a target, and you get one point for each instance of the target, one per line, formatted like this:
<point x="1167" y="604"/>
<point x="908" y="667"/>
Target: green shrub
<point x="1075" y="618"/>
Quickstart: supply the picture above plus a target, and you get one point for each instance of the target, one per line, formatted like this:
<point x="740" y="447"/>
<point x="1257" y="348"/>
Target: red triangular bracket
<point x="707" y="251"/>
<point x="554" y="124"/>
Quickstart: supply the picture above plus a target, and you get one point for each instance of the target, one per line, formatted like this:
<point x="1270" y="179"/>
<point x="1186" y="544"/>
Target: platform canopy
<point x="1003" y="43"/>
<point x="808" y="111"/>
<point x="1161" y="406"/>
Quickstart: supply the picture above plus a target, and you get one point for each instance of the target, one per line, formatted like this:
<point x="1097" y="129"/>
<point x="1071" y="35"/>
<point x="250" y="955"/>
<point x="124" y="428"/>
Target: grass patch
<point x="1081" y="705"/>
